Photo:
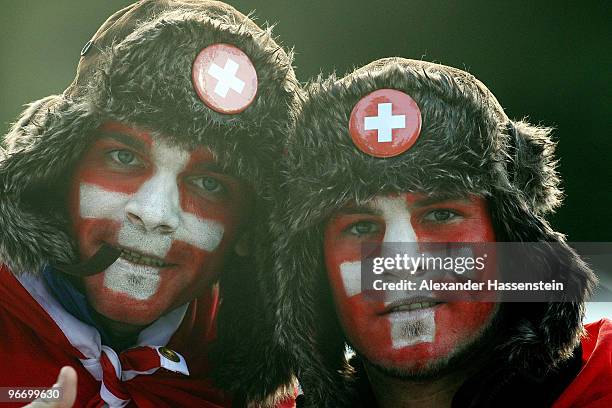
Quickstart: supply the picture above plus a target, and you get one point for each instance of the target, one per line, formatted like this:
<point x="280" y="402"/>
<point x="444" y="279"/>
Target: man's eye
<point x="364" y="227"/>
<point x="208" y="184"/>
<point x="125" y="157"/>
<point x="440" y="216"/>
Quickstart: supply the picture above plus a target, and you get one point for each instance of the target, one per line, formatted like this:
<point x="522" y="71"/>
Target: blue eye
<point x="125" y="157"/>
<point x="440" y="216"/>
<point x="209" y="184"/>
<point x="363" y="227"/>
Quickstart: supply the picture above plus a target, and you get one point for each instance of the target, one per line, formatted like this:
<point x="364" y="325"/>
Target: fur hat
<point x="467" y="145"/>
<point x="137" y="69"/>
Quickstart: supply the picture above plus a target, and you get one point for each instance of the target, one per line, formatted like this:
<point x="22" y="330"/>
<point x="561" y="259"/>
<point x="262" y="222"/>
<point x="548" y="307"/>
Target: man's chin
<point x="463" y="357"/>
<point x="126" y="320"/>
<point x="127" y="312"/>
<point x="423" y="370"/>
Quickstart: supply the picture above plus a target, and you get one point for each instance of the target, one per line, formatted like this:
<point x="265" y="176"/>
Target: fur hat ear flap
<point x="28" y="119"/>
<point x="533" y="166"/>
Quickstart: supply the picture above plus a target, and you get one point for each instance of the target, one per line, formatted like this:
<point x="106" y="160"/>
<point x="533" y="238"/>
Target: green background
<point x="547" y="60"/>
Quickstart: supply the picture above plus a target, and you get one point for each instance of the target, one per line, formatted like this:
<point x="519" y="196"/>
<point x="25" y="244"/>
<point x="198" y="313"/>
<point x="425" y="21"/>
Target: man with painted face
<point x="133" y="203"/>
<point x="404" y="151"/>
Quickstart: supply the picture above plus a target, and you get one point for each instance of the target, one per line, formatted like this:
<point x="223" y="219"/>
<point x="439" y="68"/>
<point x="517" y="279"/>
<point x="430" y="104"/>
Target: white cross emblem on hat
<point x="385" y="122"/>
<point x="224" y="78"/>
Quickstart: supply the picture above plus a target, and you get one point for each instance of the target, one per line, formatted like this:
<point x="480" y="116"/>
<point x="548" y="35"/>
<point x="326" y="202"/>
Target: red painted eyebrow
<point x="137" y="138"/>
<point x="418" y="203"/>
<point x="424" y="202"/>
<point x="203" y="160"/>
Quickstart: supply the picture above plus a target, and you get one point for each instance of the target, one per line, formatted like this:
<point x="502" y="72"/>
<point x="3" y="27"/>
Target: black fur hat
<point x="467" y="145"/>
<point x="138" y="69"/>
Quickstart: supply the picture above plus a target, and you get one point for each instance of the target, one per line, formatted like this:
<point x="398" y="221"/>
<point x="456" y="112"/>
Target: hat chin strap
<point x="100" y="261"/>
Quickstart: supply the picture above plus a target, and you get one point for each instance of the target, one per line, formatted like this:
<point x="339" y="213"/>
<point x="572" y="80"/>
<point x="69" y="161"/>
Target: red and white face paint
<point x="171" y="211"/>
<point x="418" y="334"/>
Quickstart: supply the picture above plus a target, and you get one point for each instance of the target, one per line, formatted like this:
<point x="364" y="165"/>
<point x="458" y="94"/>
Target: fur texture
<point x="138" y="71"/>
<point x="467" y="145"/>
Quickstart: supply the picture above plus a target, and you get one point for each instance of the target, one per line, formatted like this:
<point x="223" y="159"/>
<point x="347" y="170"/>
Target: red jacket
<point x="592" y="387"/>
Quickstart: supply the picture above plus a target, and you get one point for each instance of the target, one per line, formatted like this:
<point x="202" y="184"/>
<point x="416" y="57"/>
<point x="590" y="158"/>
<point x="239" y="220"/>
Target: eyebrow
<point x="207" y="166"/>
<point x="358" y="209"/>
<point x="125" y="139"/>
<point x="427" y="201"/>
<point x="439" y="199"/>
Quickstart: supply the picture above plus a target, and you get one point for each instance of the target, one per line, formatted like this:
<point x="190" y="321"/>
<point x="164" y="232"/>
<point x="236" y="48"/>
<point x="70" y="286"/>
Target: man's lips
<point x="409" y="304"/>
<point x="140" y="258"/>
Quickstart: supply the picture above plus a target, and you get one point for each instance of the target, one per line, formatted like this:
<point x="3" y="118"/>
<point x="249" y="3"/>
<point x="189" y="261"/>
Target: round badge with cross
<point x="385" y="123"/>
<point x="224" y="78"/>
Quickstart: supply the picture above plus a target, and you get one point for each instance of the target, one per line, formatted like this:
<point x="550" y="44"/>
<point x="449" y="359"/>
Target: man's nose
<point x="156" y="205"/>
<point x="400" y="239"/>
<point x="400" y="230"/>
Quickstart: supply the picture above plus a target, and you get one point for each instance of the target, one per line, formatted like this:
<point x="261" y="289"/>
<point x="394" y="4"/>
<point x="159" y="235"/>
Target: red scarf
<point x="39" y="337"/>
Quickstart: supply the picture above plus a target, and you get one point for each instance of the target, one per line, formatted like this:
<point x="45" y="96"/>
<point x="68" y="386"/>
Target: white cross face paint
<point x="403" y="329"/>
<point x="157" y="203"/>
<point x="406" y="327"/>
<point x="137" y="281"/>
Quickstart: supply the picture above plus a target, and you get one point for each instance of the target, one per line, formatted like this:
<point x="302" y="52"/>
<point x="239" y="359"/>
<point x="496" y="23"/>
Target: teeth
<point x="139" y="258"/>
<point x="414" y="306"/>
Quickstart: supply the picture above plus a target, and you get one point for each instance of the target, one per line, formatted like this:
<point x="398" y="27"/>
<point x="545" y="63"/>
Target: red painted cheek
<point x="476" y="225"/>
<point x="92" y="232"/>
<point x="223" y="212"/>
<point x="228" y="211"/>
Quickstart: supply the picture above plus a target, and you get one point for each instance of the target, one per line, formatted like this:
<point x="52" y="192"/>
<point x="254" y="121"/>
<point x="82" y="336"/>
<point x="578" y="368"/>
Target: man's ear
<point x="242" y="246"/>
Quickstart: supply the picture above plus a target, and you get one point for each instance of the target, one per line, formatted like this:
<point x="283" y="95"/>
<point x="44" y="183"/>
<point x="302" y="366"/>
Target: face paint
<point x="172" y="212"/>
<point x="384" y="330"/>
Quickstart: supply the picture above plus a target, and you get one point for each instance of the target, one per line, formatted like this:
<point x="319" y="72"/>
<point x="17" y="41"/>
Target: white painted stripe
<point x="351" y="277"/>
<point x="153" y="243"/>
<point x="397" y="218"/>
<point x="137" y="281"/>
<point x="404" y="325"/>
<point x="202" y="233"/>
<point x="96" y="202"/>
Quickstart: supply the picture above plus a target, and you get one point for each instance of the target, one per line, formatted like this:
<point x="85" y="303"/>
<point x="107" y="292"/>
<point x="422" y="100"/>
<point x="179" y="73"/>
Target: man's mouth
<point x="407" y="305"/>
<point x="139" y="258"/>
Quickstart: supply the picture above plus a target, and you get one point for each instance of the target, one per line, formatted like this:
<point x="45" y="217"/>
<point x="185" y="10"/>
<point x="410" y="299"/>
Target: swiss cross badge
<point x="224" y="78"/>
<point x="385" y="123"/>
